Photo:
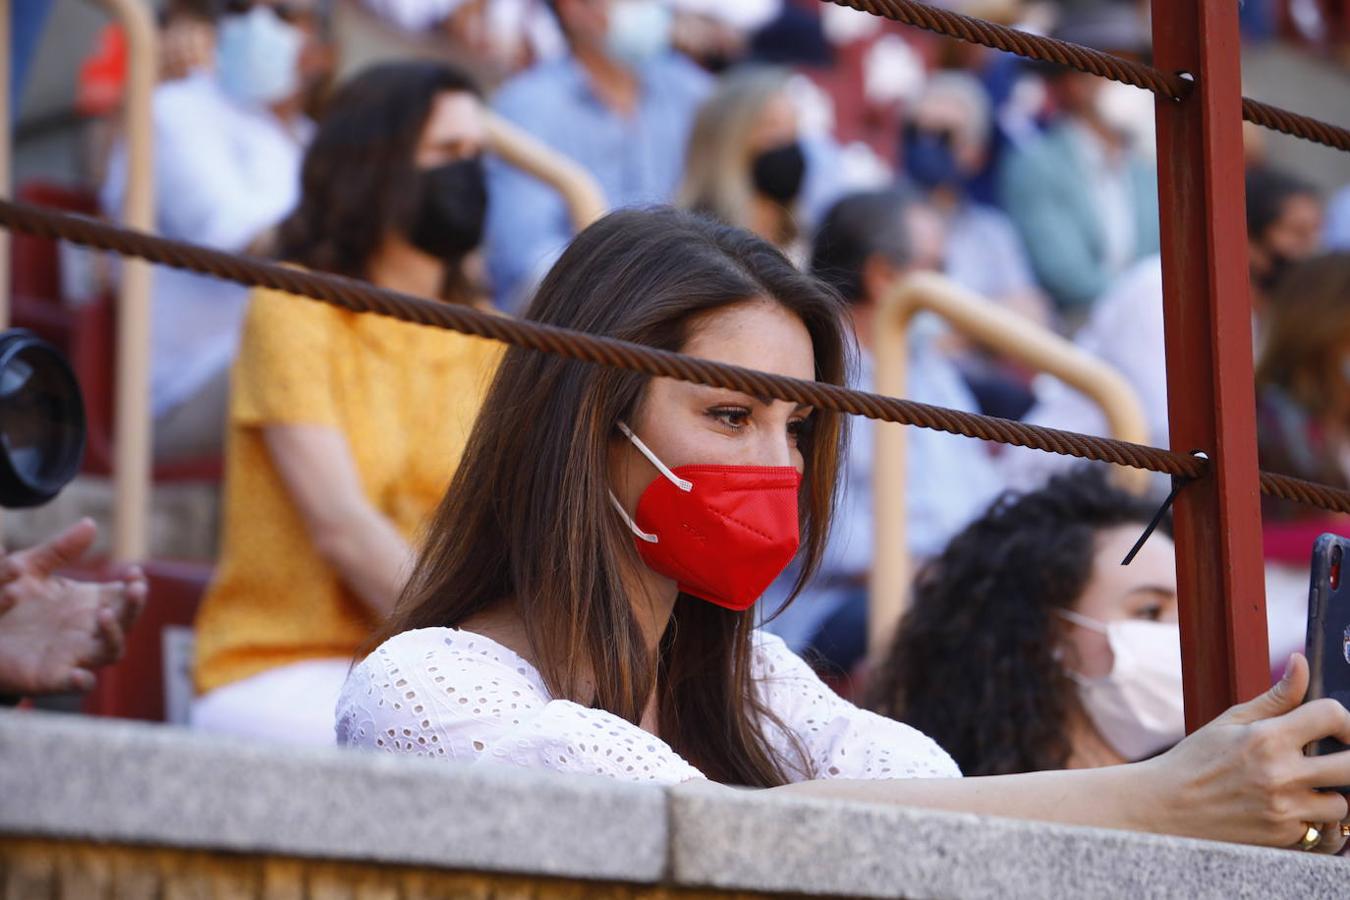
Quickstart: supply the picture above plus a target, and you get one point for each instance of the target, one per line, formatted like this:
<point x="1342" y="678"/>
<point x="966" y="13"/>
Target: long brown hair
<point x="1308" y="330"/>
<point x="973" y="663"/>
<point x="359" y="178"/>
<point x="527" y="515"/>
<point x="717" y="173"/>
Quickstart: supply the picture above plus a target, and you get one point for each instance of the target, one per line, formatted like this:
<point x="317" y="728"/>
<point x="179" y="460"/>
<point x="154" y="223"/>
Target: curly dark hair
<point x="973" y="663"/>
<point x="359" y="180"/>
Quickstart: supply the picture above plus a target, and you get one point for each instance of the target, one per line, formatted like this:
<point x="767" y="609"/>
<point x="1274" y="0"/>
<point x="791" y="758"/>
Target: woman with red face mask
<point x="584" y="598"/>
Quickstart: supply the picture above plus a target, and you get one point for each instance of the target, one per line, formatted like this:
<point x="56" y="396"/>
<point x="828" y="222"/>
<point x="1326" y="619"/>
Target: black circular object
<point x="42" y="426"/>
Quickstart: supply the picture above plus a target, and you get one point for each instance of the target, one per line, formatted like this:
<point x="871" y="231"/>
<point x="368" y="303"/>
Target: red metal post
<point x="1210" y="391"/>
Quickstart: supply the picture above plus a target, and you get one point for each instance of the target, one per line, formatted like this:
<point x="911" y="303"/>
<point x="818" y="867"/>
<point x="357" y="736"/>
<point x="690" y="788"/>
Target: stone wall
<point x="127" y="809"/>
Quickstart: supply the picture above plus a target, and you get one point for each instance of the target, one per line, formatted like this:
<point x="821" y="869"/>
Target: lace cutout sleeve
<point x="439" y="692"/>
<point x="839" y="739"/>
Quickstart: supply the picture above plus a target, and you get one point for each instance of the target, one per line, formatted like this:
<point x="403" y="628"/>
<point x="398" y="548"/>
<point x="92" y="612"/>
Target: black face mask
<point x="778" y="173"/>
<point x="1277" y="267"/>
<point x="447" y="219"/>
<point x="929" y="159"/>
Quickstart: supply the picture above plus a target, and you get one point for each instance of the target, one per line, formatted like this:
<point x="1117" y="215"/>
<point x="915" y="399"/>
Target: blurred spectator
<point x="746" y="163"/>
<point x="187" y="39"/>
<point x="54" y="632"/>
<point x="867" y="243"/>
<point x="1303" y="384"/>
<point x="227" y="151"/>
<point x="1028" y="646"/>
<point x="496" y="38"/>
<point x="795" y="36"/>
<point x="187" y="44"/>
<point x="344" y="428"/>
<point x="1083" y="197"/>
<point x="1337" y="235"/>
<point x="716" y="34"/>
<point x="1125" y="328"/>
<point x="1303" y="428"/>
<point x="1284" y="225"/>
<point x="1014" y="91"/>
<point x="501" y="36"/>
<point x="945" y="144"/>
<point x="620" y="103"/>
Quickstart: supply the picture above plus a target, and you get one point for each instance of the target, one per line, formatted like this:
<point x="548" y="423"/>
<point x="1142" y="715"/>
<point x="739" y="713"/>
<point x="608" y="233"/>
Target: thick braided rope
<point x="1085" y="59"/>
<point x="1300" y="126"/>
<point x="362" y="297"/>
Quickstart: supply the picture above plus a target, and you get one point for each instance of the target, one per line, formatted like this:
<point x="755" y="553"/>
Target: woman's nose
<point x="774" y="448"/>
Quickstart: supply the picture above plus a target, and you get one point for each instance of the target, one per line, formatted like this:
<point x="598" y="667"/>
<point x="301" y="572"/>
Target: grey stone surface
<point x="742" y="840"/>
<point x="81" y="778"/>
<point x="184" y="519"/>
<point x="138" y="783"/>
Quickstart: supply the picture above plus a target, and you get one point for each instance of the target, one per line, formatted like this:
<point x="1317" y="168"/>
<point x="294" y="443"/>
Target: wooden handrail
<point x="1010" y="334"/>
<point x="132" y="440"/>
<point x="131" y="427"/>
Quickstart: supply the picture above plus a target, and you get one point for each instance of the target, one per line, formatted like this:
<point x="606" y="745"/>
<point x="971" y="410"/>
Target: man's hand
<point x="54" y="631"/>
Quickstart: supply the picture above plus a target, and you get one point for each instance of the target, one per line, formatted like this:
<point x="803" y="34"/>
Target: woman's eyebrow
<point x="770" y="401"/>
<point x="1159" y="589"/>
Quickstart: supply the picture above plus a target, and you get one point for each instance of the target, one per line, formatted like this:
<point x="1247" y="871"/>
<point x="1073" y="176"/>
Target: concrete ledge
<point x="747" y="840"/>
<point x="124" y="782"/>
<point x="116" y="783"/>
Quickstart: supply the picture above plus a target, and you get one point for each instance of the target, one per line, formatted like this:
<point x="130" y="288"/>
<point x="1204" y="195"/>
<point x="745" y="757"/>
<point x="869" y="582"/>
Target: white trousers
<point x="293" y="704"/>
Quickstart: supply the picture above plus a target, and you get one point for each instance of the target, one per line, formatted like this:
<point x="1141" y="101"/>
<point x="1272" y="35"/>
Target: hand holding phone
<point x="1329" y="631"/>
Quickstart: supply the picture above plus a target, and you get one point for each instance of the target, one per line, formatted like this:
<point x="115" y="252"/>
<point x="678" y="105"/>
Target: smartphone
<point x="1329" y="630"/>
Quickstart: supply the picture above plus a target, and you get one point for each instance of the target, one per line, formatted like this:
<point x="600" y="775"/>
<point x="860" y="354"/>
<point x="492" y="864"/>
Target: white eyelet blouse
<point x="444" y="692"/>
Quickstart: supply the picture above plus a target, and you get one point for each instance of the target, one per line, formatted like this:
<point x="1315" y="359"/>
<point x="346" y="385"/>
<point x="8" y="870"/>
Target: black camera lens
<point x="42" y="426"/>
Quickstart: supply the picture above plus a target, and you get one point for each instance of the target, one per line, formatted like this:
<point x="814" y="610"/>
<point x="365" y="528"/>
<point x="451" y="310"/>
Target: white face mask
<point x="639" y="30"/>
<point x="257" y="57"/>
<point x="1138" y="706"/>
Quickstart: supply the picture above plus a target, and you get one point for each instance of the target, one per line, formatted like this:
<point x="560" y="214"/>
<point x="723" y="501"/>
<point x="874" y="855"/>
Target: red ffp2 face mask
<point x="723" y="533"/>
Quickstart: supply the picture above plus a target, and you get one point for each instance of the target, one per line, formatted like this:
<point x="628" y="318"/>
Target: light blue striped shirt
<point x="637" y="159"/>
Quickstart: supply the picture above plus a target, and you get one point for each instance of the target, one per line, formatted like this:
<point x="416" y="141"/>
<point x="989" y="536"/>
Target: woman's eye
<point x="797" y="428"/>
<point x="1150" y="613"/>
<point x="732" y="417"/>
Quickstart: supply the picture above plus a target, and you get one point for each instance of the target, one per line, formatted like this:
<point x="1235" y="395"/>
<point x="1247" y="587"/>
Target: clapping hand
<point x="54" y="631"/>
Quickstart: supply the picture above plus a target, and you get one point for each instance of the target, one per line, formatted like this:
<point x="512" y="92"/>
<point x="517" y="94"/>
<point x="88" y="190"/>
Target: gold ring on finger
<point x="1312" y="836"/>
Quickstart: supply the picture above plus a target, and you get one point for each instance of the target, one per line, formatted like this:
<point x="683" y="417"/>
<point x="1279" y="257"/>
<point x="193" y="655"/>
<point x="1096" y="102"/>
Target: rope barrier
<point x="359" y="296"/>
<point x="1093" y="62"/>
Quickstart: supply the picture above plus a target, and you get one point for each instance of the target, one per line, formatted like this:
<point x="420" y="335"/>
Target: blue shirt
<point x="637" y="159"/>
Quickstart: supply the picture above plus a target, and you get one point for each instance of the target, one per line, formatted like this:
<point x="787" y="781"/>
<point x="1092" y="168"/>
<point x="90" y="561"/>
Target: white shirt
<point x="224" y="174"/>
<point x="1124" y="331"/>
<point x="443" y="692"/>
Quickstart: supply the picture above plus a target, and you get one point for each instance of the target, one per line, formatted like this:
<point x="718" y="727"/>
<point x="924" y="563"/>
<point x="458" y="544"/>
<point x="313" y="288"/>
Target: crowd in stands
<point x="460" y="521"/>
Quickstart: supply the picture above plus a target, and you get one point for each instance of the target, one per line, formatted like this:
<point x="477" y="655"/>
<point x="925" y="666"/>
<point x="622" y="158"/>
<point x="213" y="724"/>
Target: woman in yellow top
<point x="345" y="429"/>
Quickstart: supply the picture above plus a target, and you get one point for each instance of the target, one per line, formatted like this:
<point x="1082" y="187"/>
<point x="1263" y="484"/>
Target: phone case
<point x="1329" y="629"/>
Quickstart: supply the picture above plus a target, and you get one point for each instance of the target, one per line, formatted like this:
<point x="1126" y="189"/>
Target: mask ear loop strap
<point x="1081" y="620"/>
<point x="632" y="526"/>
<point x="674" y="479"/>
<point x="1178" y="482"/>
